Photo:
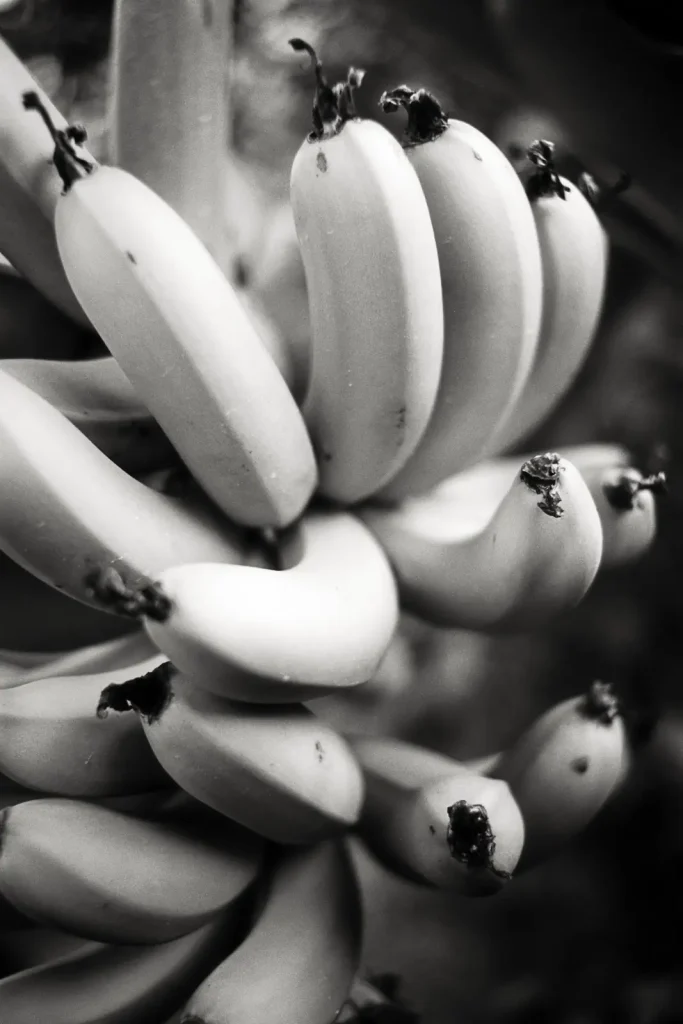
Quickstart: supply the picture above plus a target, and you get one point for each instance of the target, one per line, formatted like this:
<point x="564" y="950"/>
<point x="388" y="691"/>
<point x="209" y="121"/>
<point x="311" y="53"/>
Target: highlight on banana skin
<point x="261" y="541"/>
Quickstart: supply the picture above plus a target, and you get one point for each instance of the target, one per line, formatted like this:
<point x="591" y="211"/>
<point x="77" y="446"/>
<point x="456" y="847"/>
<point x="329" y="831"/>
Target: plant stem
<point x="169" y="113"/>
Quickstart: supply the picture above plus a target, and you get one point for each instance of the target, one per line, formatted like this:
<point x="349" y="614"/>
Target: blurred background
<point x="594" y="935"/>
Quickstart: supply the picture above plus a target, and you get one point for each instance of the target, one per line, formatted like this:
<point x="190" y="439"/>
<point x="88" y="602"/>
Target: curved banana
<point x="114" y="878"/>
<point x="297" y="964"/>
<point x="491" y="278"/>
<point x="277" y="769"/>
<point x="534" y="555"/>
<point x="564" y="767"/>
<point x="140" y="272"/>
<point x="625" y="500"/>
<point x="52" y="740"/>
<point x="67" y="511"/>
<point x="38" y="618"/>
<point x="97" y="397"/>
<point x="31" y="327"/>
<point x="104" y="984"/>
<point x="432" y="820"/>
<point x="623" y="496"/>
<point x="574" y="257"/>
<point x="120" y="653"/>
<point x="29" y="189"/>
<point x="372" y="272"/>
<point x="255" y="634"/>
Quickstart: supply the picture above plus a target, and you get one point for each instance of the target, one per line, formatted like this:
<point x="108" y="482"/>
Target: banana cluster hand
<point x="257" y="519"/>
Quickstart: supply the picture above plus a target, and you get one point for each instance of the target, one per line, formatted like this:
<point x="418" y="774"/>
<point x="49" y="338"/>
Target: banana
<point x="372" y="273"/>
<point x="564" y="767"/>
<point x="531" y="557"/>
<point x="203" y="372"/>
<point x="492" y="288"/>
<point x="97" y="397"/>
<point x="297" y="964"/>
<point x="31" y="327"/>
<point x="101" y="984"/>
<point x="121" y="653"/>
<point x="625" y="500"/>
<point x="434" y="821"/>
<point x="260" y="635"/>
<point x="30" y="190"/>
<point x="67" y="511"/>
<point x="38" y="618"/>
<point x="52" y="740"/>
<point x="277" y="769"/>
<point x="574" y="258"/>
<point x="169" y="116"/>
<point x="114" y="878"/>
<point x="623" y="496"/>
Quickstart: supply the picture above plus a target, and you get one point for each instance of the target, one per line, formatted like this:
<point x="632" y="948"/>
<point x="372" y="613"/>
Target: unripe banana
<point x="574" y="255"/>
<point x="140" y="271"/>
<point x="277" y="769"/>
<point x="121" y="653"/>
<point x="52" y="740"/>
<point x="68" y="511"/>
<point x="260" y="635"/>
<point x="432" y="820"/>
<point x="31" y="327"/>
<point x="103" y="984"/>
<point x="114" y="878"/>
<point x="623" y="497"/>
<point x="29" y="189"/>
<point x="296" y="965"/>
<point x="372" y="273"/>
<point x="491" y="278"/>
<point x="564" y="767"/>
<point x="625" y="500"/>
<point x="533" y="556"/>
<point x="97" y="397"/>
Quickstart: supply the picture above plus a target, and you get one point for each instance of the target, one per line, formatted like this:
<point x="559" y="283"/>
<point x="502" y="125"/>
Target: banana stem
<point x="622" y="492"/>
<point x="169" y="105"/>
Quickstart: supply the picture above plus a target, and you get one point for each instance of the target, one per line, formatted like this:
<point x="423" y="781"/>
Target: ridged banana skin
<point x="104" y="984"/>
<point x="114" y="878"/>
<point x="628" y="533"/>
<point x="297" y="964"/>
<point x="372" y="272"/>
<point x="404" y="821"/>
<point x="52" y="740"/>
<point x="492" y="291"/>
<point x="206" y="377"/>
<point x="110" y="655"/>
<point x="97" y="397"/>
<point x="517" y="570"/>
<point x="30" y="188"/>
<point x="561" y="772"/>
<point x="67" y="510"/>
<point x="574" y="259"/>
<point x="276" y="769"/>
<point x="261" y="635"/>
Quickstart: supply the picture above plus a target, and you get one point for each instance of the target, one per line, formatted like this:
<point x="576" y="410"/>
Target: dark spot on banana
<point x="580" y="765"/>
<point x="131" y="258"/>
<point x="469" y="835"/>
<point x="432" y="830"/>
<point x="319" y="750"/>
<point x="477" y="156"/>
<point x="207" y="13"/>
<point x="321" y="162"/>
<point x="401" y="418"/>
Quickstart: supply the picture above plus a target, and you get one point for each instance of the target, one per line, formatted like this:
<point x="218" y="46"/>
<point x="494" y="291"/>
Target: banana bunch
<point x="235" y="530"/>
